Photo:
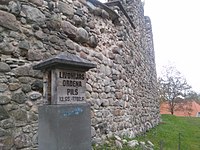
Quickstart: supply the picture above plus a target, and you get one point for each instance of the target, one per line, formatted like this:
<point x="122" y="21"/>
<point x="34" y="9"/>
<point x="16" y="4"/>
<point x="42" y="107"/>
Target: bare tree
<point x="172" y="86"/>
<point x="192" y="95"/>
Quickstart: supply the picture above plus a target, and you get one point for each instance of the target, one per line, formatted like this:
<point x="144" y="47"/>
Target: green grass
<point x="167" y="133"/>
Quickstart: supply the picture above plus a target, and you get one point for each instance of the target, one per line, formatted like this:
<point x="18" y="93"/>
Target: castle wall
<point x="122" y="90"/>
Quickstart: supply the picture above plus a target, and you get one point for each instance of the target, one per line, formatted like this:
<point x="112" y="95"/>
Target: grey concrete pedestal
<point x="65" y="127"/>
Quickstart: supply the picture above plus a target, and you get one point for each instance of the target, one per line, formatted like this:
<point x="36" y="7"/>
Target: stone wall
<point x="121" y="90"/>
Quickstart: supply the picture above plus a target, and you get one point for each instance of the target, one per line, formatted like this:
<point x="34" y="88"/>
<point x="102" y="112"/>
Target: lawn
<point x="166" y="134"/>
<point x="173" y="133"/>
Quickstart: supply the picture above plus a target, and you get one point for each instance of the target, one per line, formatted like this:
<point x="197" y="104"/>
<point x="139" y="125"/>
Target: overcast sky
<point x="176" y="31"/>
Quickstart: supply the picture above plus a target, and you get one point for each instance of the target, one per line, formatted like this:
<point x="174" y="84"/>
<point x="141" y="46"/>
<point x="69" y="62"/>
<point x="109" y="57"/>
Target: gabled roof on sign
<point x="65" y="60"/>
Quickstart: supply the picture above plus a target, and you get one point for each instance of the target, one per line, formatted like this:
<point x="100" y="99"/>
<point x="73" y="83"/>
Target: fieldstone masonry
<point x="121" y="90"/>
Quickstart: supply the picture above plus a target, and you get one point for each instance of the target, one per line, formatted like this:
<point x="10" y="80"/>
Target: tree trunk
<point x="172" y="107"/>
<point x="172" y="110"/>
